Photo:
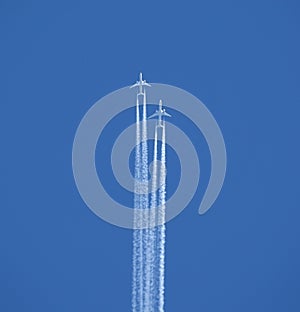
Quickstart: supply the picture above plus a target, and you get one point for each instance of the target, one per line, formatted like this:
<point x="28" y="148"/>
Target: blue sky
<point x="241" y="58"/>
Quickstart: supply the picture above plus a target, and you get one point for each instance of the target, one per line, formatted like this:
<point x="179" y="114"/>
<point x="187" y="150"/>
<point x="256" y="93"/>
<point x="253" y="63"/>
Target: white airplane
<point x="140" y="83"/>
<point x="160" y="113"/>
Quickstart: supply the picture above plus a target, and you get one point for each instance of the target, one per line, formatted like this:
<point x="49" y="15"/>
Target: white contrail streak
<point x="152" y="232"/>
<point x="159" y="182"/>
<point x="147" y="241"/>
<point x="137" y="279"/>
<point x="141" y="239"/>
<point x="161" y="223"/>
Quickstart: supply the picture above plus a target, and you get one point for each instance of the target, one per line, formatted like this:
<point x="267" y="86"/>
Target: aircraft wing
<point x="153" y="115"/>
<point x="135" y="85"/>
<point x="166" y="114"/>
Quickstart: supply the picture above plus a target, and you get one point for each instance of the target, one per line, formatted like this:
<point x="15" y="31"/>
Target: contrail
<point x="158" y="233"/>
<point x="161" y="229"/>
<point x="137" y="278"/>
<point x="152" y="231"/>
<point x="145" y="205"/>
<point x="141" y="238"/>
<point x="148" y="239"/>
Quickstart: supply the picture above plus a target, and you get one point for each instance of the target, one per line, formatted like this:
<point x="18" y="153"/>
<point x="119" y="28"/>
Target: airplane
<point x="140" y="83"/>
<point x="160" y="113"/>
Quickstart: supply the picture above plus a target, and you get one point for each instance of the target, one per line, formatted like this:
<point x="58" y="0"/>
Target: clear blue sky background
<point x="241" y="58"/>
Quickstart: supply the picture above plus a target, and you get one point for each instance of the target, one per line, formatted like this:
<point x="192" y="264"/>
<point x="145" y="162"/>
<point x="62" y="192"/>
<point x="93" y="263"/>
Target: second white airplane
<point x="160" y="113"/>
